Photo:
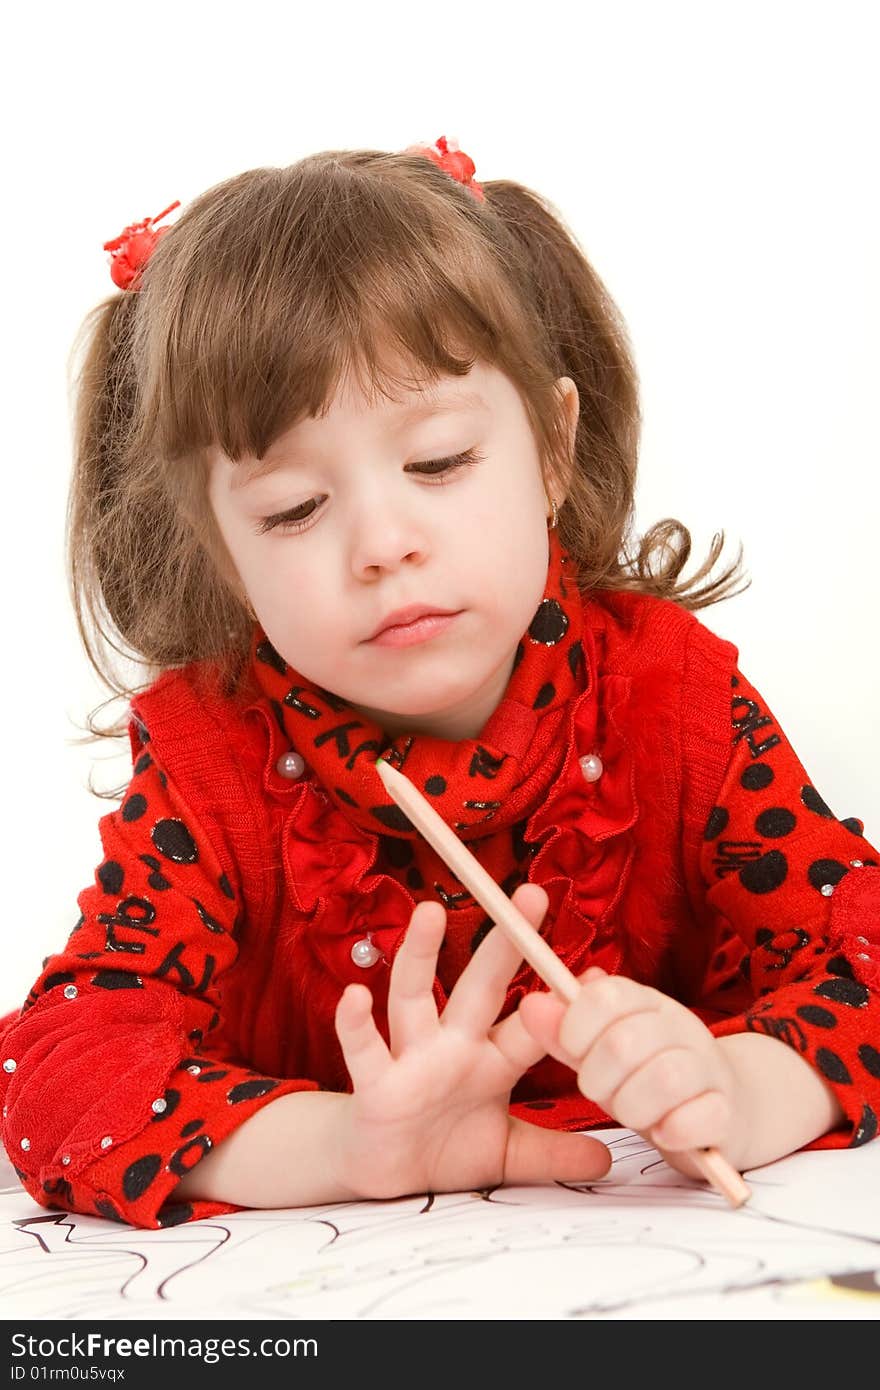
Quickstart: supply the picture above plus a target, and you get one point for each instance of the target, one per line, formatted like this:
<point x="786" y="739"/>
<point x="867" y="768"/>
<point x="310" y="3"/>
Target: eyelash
<point x="290" y="523"/>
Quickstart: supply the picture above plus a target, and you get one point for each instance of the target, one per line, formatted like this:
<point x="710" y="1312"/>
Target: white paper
<point x="644" y="1242"/>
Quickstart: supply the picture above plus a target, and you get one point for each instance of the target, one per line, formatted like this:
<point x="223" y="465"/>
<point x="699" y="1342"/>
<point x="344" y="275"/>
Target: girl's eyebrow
<point x="244" y="474"/>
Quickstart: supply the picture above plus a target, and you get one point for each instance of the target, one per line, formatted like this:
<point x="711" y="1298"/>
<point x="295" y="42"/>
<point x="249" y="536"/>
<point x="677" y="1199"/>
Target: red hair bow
<point x="452" y="161"/>
<point x="130" y="251"/>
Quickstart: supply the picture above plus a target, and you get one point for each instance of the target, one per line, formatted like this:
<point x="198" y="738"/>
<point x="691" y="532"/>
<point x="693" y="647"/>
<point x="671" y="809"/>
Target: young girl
<point x="355" y="466"/>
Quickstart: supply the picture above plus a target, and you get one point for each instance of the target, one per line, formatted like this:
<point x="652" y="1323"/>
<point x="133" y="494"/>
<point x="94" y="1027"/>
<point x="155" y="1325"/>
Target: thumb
<point x="541" y="1015"/>
<point x="535" y="1154"/>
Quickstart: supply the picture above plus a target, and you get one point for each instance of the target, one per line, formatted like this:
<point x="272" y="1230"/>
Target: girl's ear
<point x="570" y="406"/>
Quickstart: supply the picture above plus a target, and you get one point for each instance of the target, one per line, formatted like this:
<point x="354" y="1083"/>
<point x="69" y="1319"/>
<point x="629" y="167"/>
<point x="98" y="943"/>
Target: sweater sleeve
<point x="792" y="895"/>
<point x="112" y="1084"/>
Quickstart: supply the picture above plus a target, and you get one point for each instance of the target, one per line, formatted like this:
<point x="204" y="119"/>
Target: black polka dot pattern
<point x="866" y="1129"/>
<point x="717" y="822"/>
<point x="832" y="1066"/>
<point x="774" y="859"/>
<point x="818" y="1017"/>
<point x="175" y="1213"/>
<point x="870" y="1059"/>
<point x="825" y="871"/>
<point x="549" y="624"/>
<point x="392" y="817"/>
<point x="775" y="823"/>
<point x="134" y="807"/>
<point x="249" y="1090"/>
<point x="111" y="877"/>
<point x="138" y="1176"/>
<point x="765" y="874"/>
<point x="844" y="991"/>
<point x="813" y="802"/>
<point x="174" y="841"/>
<point x="756" y="778"/>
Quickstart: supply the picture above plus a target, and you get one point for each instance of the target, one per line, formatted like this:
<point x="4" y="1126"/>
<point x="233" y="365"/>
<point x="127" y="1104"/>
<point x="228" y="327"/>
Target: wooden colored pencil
<point x="540" y="956"/>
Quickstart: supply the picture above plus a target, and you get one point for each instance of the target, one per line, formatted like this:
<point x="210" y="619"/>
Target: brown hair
<point x="271" y="286"/>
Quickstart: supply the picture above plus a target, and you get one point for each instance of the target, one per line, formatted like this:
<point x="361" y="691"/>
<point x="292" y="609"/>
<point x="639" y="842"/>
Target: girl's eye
<point x="295" y="520"/>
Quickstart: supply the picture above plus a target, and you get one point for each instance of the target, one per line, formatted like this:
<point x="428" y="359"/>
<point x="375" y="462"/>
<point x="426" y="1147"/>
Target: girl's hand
<point x="430" y="1112"/>
<point x="646" y="1059"/>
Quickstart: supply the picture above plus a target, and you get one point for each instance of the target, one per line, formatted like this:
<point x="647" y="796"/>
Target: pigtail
<point x="589" y="340"/>
<point x="145" y="589"/>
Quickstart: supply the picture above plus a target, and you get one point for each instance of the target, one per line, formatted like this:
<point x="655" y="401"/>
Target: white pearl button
<point x="857" y="863"/>
<point x="591" y="767"/>
<point x="65" y="1159"/>
<point x="70" y="991"/>
<point x="826" y="890"/>
<point x="364" y="953"/>
<point x="106" y="1142"/>
<point x="25" y="1144"/>
<point x="863" y="955"/>
<point x="10" y="1064"/>
<point x="159" y="1106"/>
<point x="194" y="1071"/>
<point x="290" y="765"/>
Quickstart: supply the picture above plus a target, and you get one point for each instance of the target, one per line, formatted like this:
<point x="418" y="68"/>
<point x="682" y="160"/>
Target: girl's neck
<point x="465" y="720"/>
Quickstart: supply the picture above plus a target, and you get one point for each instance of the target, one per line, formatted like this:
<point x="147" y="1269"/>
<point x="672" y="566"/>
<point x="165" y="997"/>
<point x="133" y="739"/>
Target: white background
<point x="718" y="164"/>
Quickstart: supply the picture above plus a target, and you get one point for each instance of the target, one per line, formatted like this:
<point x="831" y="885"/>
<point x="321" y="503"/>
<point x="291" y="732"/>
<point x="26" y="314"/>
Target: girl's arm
<point x="112" y="1088"/>
<point x="782" y="966"/>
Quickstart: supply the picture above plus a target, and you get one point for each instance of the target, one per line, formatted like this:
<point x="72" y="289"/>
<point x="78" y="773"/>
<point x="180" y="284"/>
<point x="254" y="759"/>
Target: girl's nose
<point x="383" y="538"/>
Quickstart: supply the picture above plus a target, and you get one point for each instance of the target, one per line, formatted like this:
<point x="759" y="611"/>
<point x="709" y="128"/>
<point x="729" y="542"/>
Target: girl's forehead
<point x="398" y="392"/>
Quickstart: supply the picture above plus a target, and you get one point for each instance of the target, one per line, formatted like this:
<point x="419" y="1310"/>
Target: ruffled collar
<point x="478" y="785"/>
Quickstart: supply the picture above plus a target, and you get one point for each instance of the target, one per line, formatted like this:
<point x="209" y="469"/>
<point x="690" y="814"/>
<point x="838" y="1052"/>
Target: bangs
<point x="312" y="275"/>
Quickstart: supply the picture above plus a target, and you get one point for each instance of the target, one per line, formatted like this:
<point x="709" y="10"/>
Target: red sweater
<point x="201" y="979"/>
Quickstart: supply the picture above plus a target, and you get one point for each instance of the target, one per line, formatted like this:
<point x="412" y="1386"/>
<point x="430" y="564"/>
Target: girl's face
<point x="364" y="512"/>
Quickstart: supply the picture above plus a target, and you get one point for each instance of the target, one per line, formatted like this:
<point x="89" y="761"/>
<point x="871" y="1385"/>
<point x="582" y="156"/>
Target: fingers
<point x="645" y="1059"/>
<point x="480" y="991"/>
<point x="517" y="1046"/>
<point x="668" y="1080"/>
<point x="626" y="1045"/>
<point x="548" y="1155"/>
<point x="363" y="1047"/>
<point x="700" y="1123"/>
<point x="541" y="1015"/>
<point x="603" y="999"/>
<point x="412" y="1009"/>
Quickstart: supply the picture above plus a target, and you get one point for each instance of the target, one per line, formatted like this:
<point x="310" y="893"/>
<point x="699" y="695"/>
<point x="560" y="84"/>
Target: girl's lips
<point x="431" y="625"/>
